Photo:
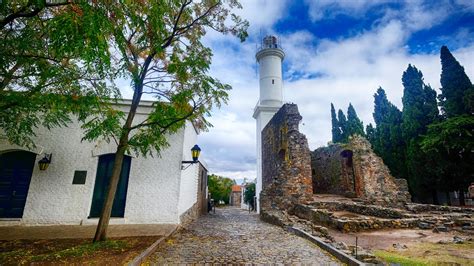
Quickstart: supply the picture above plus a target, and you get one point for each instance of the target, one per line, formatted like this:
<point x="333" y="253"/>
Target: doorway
<point x="104" y="172"/>
<point x="16" y="168"/>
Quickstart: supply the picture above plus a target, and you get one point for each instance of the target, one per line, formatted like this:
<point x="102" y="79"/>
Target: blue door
<point x="104" y="172"/>
<point x="16" y="168"/>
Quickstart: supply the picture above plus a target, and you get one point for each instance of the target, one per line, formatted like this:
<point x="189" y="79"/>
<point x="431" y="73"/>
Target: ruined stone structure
<point x="353" y="189"/>
<point x="354" y="170"/>
<point x="286" y="169"/>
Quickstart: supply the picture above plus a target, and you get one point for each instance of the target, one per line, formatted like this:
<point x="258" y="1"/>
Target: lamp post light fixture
<point x="44" y="163"/>
<point x="195" y="152"/>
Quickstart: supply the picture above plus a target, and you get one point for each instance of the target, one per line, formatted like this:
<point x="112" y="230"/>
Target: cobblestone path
<point x="234" y="236"/>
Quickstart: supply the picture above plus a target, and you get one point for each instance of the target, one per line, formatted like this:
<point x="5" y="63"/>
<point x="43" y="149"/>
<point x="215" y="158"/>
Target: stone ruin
<point x="354" y="170"/>
<point x="291" y="173"/>
<point x="344" y="187"/>
<point x="286" y="170"/>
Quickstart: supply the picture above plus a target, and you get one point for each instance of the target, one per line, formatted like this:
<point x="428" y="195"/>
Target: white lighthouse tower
<point x="270" y="57"/>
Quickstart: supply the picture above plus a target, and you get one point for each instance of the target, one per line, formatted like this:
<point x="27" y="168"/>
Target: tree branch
<point x="25" y="13"/>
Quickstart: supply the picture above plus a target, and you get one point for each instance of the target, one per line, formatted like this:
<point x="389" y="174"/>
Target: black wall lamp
<point x="195" y="151"/>
<point x="44" y="163"/>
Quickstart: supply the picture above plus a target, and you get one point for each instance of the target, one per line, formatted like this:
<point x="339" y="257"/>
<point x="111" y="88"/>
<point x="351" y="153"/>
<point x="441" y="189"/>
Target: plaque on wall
<point x="79" y="178"/>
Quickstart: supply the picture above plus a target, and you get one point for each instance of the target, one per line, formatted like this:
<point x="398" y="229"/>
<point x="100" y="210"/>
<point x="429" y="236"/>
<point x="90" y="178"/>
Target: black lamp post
<point x="44" y="163"/>
<point x="195" y="152"/>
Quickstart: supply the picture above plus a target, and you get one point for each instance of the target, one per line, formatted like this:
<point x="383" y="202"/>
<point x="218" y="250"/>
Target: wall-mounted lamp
<point x="195" y="151"/>
<point x="44" y="163"/>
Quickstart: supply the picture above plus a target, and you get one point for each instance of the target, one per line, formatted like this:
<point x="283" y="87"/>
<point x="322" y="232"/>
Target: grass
<point x="399" y="259"/>
<point x="24" y="255"/>
<point x="430" y="254"/>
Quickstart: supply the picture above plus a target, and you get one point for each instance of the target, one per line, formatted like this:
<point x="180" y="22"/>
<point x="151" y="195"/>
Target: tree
<point x="419" y="110"/>
<point x="388" y="142"/>
<point x="455" y="86"/>
<point x="336" y="130"/>
<point x="451" y="140"/>
<point x="370" y="133"/>
<point x="220" y="188"/>
<point x="54" y="62"/>
<point x="354" y="124"/>
<point x="342" y="122"/>
<point x="159" y="49"/>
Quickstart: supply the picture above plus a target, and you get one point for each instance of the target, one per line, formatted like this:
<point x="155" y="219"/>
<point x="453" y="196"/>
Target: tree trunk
<point x="101" y="231"/>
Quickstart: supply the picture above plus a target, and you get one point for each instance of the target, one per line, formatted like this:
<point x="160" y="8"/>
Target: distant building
<point x="235" y="195"/>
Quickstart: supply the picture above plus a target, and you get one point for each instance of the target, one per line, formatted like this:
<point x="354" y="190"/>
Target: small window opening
<point x="273" y="81"/>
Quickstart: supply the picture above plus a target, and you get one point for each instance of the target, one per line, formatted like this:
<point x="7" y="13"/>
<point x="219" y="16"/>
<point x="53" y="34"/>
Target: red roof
<point x="236" y="188"/>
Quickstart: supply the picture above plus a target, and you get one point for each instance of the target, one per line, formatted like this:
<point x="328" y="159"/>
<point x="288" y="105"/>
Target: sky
<point x="336" y="52"/>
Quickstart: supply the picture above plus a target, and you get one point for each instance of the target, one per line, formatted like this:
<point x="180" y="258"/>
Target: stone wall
<point x="353" y="169"/>
<point x="331" y="172"/>
<point x="286" y="162"/>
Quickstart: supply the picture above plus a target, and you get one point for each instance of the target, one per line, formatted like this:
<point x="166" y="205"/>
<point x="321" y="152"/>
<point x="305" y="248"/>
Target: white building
<point x="72" y="189"/>
<point x="270" y="58"/>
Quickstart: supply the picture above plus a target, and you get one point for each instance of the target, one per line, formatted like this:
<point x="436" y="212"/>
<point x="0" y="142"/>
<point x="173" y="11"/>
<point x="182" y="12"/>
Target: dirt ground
<point x="115" y="251"/>
<point x="384" y="239"/>
<point x="422" y="246"/>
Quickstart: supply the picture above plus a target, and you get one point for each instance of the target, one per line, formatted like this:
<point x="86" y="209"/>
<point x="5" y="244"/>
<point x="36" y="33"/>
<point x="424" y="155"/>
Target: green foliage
<point x="249" y="193"/>
<point x="452" y="142"/>
<point x="343" y="128"/>
<point x="342" y="123"/>
<point x="433" y="152"/>
<point x="354" y="124"/>
<point x="419" y="104"/>
<point x="161" y="53"/>
<point x="455" y="86"/>
<point x="419" y="110"/>
<point x="220" y="188"/>
<point x="370" y="133"/>
<point x="335" y="130"/>
<point x="387" y="139"/>
<point x="54" y="62"/>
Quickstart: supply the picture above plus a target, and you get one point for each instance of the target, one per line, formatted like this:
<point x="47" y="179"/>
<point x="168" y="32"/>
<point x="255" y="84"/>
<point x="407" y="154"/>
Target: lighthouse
<point x="269" y="57"/>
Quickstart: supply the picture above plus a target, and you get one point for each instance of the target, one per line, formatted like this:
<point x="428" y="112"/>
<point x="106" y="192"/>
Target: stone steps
<point x="347" y="221"/>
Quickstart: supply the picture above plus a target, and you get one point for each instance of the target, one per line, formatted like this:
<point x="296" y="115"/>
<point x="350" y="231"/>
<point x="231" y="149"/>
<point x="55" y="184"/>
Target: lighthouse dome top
<point x="270" y="45"/>
<point x="270" y="42"/>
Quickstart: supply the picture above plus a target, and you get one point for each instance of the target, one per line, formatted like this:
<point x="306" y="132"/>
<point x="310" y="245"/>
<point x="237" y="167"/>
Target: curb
<point x="343" y="257"/>
<point x="147" y="252"/>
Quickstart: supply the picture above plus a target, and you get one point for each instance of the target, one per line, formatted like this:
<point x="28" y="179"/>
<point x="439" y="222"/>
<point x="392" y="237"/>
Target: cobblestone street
<point x="233" y="235"/>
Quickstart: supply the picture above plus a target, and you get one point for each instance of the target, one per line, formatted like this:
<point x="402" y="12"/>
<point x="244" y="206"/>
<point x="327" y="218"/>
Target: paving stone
<point x="234" y="236"/>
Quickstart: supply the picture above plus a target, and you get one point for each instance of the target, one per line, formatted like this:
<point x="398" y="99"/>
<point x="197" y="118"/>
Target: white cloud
<point x="331" y="8"/>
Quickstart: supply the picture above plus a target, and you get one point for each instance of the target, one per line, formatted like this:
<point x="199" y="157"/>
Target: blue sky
<point x="336" y="51"/>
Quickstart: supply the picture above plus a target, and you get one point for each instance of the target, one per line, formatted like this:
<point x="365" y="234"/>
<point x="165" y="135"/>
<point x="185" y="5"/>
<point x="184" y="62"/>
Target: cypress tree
<point x="388" y="142"/>
<point x="451" y="141"/>
<point x="342" y="125"/>
<point x="419" y="110"/>
<point x="336" y="130"/>
<point x="354" y="125"/>
<point x="455" y="86"/>
<point x="370" y="133"/>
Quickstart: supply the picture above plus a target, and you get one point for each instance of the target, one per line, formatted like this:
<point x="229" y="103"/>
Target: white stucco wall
<point x="189" y="177"/>
<point x="154" y="184"/>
